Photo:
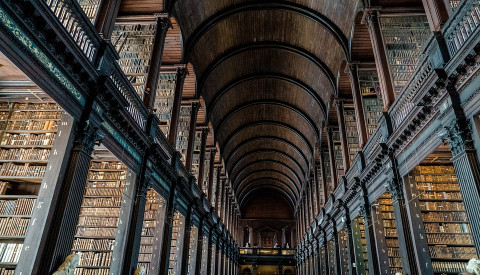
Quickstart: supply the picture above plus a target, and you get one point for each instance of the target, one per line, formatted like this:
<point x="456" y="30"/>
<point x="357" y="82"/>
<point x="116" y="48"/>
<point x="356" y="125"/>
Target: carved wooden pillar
<point x="316" y="167"/>
<point x="336" y="244"/>
<point x="151" y="82"/>
<point x="211" y="190"/>
<point x="370" y="17"/>
<point x="221" y="258"/>
<point x="201" y="164"/>
<point x="312" y="198"/>
<point x="167" y="232"/>
<point x="324" y="252"/>
<point x="36" y="243"/>
<point x="186" y="243"/>
<point x="352" y="70"/>
<point x="199" y="255"/>
<point x="177" y="101"/>
<point x="343" y="133"/>
<point x="107" y="15"/>
<point x="352" y="264"/>
<point x="217" y="188"/>
<point x="191" y="136"/>
<point x="437" y="13"/>
<point x="210" y="251"/>
<point x="373" y="265"/>
<point x="331" y="153"/>
<point x="467" y="169"/>
<point x="324" y="177"/>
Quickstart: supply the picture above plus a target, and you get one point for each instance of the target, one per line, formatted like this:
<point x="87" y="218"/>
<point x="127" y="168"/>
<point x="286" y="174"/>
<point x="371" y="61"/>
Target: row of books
<point x="18" y="125"/>
<point x="36" y="115"/>
<point x="445" y="216"/>
<point x="28" y="139"/>
<point x="108" y="165"/>
<point x="13" y="170"/>
<point x="10" y="252"/>
<point x="102" y="201"/>
<point x="101" y="175"/>
<point x="453" y="228"/>
<point x="103" y="212"/>
<point x="23" y="154"/>
<point x="164" y="98"/>
<point x="96" y="259"/>
<point x="442" y="205"/>
<point x="32" y="106"/>
<point x="21" y="206"/>
<point x="87" y="271"/>
<point x="452" y="252"/>
<point x="440" y="195"/>
<point x="95" y="231"/>
<point x="93" y="244"/>
<point x="5" y="271"/>
<point x="435" y="182"/>
<point x="97" y="221"/>
<point x="90" y="8"/>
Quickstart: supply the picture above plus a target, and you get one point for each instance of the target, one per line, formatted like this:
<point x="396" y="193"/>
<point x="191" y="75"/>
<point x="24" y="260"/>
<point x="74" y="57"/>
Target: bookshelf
<point x="372" y="98"/>
<point x="134" y="43"/>
<point x="384" y="219"/>
<point x="360" y="245"/>
<point x="321" y="199"/>
<point x="331" y="257"/>
<point x="164" y="100"/>
<point x="90" y="7"/>
<point x="337" y="151"/>
<point x="182" y="134"/>
<point x="454" y="3"/>
<point x="192" y="249"/>
<point x="203" y="268"/>
<point x="212" y="259"/>
<point x="205" y="174"/>
<point x="403" y="37"/>
<point x="176" y="247"/>
<point x="322" y="261"/>
<point x="343" y="245"/>
<point x="99" y="216"/>
<point x="214" y="187"/>
<point x="443" y="212"/>
<point x="27" y="133"/>
<point x="153" y="221"/>
<point x="352" y="133"/>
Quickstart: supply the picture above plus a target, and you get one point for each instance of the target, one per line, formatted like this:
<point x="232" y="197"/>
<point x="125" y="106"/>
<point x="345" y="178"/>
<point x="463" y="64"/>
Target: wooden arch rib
<point x="267" y="154"/>
<point x="257" y="165"/>
<point x="266" y="138"/>
<point x="266" y="45"/>
<point x="238" y="132"/>
<point x="247" y="193"/>
<point x="281" y="77"/>
<point x="307" y="12"/>
<point x="267" y="176"/>
<point x="244" y="107"/>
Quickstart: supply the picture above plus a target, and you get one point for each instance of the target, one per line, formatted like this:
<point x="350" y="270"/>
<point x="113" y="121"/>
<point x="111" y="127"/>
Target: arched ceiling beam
<point x="253" y="191"/>
<point x="244" y="182"/>
<point x="266" y="5"/>
<point x="268" y="45"/>
<point x="266" y="122"/>
<point x="268" y="182"/>
<point x="270" y="151"/>
<point x="213" y="102"/>
<point x="278" y="103"/>
<point x="257" y="138"/>
<point x="238" y="174"/>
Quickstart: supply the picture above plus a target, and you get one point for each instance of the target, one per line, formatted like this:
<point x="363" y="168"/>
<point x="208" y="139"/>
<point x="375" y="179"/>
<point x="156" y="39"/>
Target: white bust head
<point x="140" y="271"/>
<point x="474" y="266"/>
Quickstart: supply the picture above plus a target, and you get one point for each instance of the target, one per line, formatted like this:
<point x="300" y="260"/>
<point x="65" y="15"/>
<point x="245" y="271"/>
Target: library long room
<point x="206" y="137"/>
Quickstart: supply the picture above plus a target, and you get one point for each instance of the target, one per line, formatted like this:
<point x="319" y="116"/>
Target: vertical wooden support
<point x="370" y="17"/>
<point x="201" y="164"/>
<point x="199" y="255"/>
<point x="437" y="13"/>
<point x="211" y="190"/>
<point x="186" y="242"/>
<point x="352" y="70"/>
<point x="177" y="101"/>
<point x="216" y="205"/>
<point x="380" y="242"/>
<point x="209" y="253"/>
<point x="167" y="229"/>
<point x="331" y="153"/>
<point x="359" y="267"/>
<point x="191" y="136"/>
<point x="107" y="15"/>
<point x="365" y="211"/>
<point x="352" y="260"/>
<point x="343" y="133"/>
<point x="151" y="82"/>
<point x="324" y="177"/>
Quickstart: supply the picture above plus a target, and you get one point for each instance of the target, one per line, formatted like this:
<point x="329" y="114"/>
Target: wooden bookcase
<point x="204" y="184"/>
<point x="331" y="257"/>
<point x="99" y="216"/>
<point x="372" y="98"/>
<point x="164" y="100"/>
<point x="176" y="246"/>
<point x="90" y="7"/>
<point x="443" y="212"/>
<point x="360" y="245"/>
<point x="404" y="38"/>
<point x="183" y="130"/>
<point x="152" y="231"/>
<point x="134" y="44"/>
<point x="192" y="249"/>
<point x="337" y="150"/>
<point x="27" y="133"/>
<point x="328" y="174"/>
<point x="343" y="246"/>
<point x="352" y="133"/>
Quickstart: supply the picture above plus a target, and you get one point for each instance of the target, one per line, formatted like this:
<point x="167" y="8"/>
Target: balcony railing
<point x="267" y="251"/>
<point x="464" y="24"/>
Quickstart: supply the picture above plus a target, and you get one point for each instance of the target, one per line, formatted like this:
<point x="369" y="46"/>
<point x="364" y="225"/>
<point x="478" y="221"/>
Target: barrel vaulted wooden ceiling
<point x="267" y="71"/>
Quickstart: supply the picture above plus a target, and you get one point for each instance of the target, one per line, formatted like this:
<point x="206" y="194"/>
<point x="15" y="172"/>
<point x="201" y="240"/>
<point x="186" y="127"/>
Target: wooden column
<point x="186" y="243"/>
<point x="177" y="101"/>
<point x="199" y="256"/>
<point x="324" y="176"/>
<point x="151" y="82"/>
<point x="209" y="253"/>
<point x="331" y="152"/>
<point x="312" y="198"/>
<point x="218" y="259"/>
<point x="44" y="222"/>
<point x="201" y="164"/>
<point x="373" y="260"/>
<point x="343" y="133"/>
<point x="338" y="263"/>
<point x="437" y="12"/>
<point x="191" y="136"/>
<point x="324" y="250"/>
<point x="167" y="231"/>
<point x="107" y="15"/>
<point x="352" y="70"/>
<point x="350" y="247"/>
<point x="370" y="17"/>
<point x="317" y="167"/>
<point x="211" y="191"/>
